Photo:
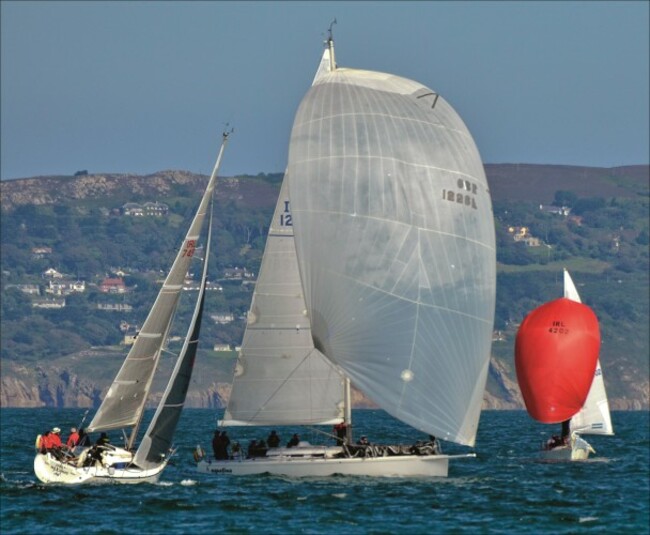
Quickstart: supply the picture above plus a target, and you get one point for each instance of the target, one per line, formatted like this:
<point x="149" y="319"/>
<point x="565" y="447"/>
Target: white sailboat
<point x="594" y="417"/>
<point x="394" y="248"/>
<point x="124" y="404"/>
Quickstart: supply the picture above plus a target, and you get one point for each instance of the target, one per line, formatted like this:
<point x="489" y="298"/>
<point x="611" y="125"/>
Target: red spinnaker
<point x="556" y="353"/>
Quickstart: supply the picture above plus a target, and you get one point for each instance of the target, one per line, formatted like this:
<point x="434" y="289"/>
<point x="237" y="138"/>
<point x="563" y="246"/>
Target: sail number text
<point x="285" y="217"/>
<point x="189" y="248"/>
<point x="558" y="327"/>
<point x="465" y="194"/>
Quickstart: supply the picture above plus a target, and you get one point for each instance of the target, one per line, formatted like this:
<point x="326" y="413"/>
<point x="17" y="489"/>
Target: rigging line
<point x="327" y="434"/>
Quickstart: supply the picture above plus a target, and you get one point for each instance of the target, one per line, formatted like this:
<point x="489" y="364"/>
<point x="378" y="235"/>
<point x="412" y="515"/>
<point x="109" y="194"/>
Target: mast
<point x="195" y="227"/>
<point x="347" y="417"/>
<point x="330" y="46"/>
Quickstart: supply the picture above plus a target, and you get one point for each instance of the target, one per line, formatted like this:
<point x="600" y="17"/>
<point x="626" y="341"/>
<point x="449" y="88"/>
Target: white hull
<point x="398" y="466"/>
<point x="114" y="469"/>
<point x="578" y="450"/>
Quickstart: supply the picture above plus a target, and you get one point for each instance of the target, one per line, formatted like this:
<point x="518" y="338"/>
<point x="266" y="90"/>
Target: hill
<point x="592" y="220"/>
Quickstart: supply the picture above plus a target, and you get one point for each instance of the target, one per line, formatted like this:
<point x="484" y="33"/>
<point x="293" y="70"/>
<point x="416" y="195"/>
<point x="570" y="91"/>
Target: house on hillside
<point x="190" y="285"/>
<point x="498" y="336"/>
<point x="113" y="286"/>
<point x="557" y="210"/>
<point x="115" y="307"/>
<point x="41" y="252"/>
<point x="238" y="273"/>
<point x="157" y="209"/>
<point x="133" y="209"/>
<point x="522" y="234"/>
<point x="118" y="272"/>
<point x="48" y="303"/>
<point x="223" y="319"/>
<point x="52" y="273"/>
<point x="65" y="287"/>
<point x="221" y="347"/>
<point x="29" y="289"/>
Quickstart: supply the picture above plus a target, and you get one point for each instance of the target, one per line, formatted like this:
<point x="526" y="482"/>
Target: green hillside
<point x="78" y="227"/>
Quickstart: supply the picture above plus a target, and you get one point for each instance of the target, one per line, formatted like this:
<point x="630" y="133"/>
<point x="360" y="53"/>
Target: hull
<point x="400" y="466"/>
<point x="578" y="450"/>
<point x="114" y="468"/>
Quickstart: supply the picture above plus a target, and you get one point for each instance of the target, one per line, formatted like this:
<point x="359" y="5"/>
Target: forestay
<point x="395" y="241"/>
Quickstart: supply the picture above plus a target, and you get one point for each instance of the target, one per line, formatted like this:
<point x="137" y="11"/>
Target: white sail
<point x="570" y="291"/>
<point x="395" y="241"/>
<point x="124" y="402"/>
<point x="594" y="418"/>
<point x="279" y="377"/>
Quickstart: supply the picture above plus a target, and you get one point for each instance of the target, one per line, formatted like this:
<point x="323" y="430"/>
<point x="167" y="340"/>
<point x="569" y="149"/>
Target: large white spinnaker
<point x="594" y="417"/>
<point x="124" y="402"/>
<point x="280" y="378"/>
<point x="395" y="240"/>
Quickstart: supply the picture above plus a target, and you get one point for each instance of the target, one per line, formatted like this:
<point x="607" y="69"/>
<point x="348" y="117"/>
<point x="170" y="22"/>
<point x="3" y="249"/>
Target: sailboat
<point x="559" y="373"/>
<point x="124" y="404"/>
<point x="391" y="286"/>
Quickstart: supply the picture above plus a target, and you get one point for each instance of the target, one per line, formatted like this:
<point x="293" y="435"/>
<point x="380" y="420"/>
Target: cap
<point x="73" y="429"/>
<point x="56" y="430"/>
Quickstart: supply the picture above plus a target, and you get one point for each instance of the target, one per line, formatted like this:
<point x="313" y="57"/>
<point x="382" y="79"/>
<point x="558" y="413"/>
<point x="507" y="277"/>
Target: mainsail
<point x="395" y="240"/>
<point x="280" y="378"/>
<point x="124" y="402"/>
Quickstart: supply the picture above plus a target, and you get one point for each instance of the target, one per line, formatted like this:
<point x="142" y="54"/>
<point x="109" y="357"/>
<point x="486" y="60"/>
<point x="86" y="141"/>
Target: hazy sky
<point x="138" y="87"/>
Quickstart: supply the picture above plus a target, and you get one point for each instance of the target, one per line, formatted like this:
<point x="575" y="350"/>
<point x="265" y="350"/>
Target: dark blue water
<point x="506" y="489"/>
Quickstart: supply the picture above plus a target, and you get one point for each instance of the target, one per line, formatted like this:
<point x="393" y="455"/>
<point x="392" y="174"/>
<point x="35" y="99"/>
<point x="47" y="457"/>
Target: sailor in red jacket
<point x="43" y="442"/>
<point x="55" y="439"/>
<point x="73" y="439"/>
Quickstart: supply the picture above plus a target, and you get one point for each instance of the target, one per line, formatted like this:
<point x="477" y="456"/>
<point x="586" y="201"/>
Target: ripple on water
<point x="506" y="489"/>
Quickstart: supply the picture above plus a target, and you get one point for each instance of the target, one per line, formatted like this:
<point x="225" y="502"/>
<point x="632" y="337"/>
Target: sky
<point x="140" y="87"/>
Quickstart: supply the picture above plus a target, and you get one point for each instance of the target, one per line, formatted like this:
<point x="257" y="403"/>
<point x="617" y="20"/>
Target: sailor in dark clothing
<point x="295" y="439"/>
<point x="220" y="444"/>
<point x="103" y="440"/>
<point x="273" y="440"/>
<point x="341" y="430"/>
<point x="84" y="439"/>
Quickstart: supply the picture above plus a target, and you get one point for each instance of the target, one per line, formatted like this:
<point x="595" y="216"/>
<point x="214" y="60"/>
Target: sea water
<point x="507" y="488"/>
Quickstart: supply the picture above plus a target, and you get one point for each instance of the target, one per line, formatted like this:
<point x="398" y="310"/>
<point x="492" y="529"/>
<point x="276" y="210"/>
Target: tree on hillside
<point x="565" y="198"/>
